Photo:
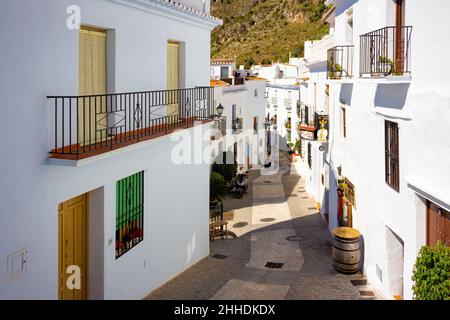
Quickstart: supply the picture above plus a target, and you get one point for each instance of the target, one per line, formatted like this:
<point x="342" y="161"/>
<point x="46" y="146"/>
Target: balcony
<point x="86" y="126"/>
<point x="340" y="62"/>
<point x="307" y="118"/>
<point x="235" y="81"/>
<point x="386" y="52"/>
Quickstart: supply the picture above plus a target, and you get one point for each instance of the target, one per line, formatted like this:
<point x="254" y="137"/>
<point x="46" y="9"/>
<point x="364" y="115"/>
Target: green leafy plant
<point x="298" y="146"/>
<point x="431" y="273"/>
<point x="227" y="170"/>
<point x="217" y="187"/>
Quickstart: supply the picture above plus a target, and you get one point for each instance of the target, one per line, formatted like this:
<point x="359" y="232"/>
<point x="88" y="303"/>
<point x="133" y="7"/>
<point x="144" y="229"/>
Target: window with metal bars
<point x="392" y="169"/>
<point x="129" y="213"/>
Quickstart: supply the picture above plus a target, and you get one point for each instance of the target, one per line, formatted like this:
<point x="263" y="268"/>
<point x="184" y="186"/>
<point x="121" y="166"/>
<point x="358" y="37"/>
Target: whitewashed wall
<point x="41" y="60"/>
<point x="247" y="106"/>
<point x="421" y="108"/>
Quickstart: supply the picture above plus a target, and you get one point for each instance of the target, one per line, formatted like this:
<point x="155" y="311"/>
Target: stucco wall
<point x="41" y="60"/>
<point x="421" y="109"/>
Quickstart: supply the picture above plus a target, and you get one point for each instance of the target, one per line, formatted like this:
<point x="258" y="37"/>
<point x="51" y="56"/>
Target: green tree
<point x="217" y="187"/>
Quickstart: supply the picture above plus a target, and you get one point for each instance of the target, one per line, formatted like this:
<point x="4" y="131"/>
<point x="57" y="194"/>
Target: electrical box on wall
<point x="17" y="264"/>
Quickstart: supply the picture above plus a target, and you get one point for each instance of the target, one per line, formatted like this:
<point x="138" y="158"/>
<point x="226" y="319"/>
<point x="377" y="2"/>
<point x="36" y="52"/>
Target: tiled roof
<point x="182" y="7"/>
<point x="255" y="78"/>
<point x="218" y="83"/>
<point x="221" y="61"/>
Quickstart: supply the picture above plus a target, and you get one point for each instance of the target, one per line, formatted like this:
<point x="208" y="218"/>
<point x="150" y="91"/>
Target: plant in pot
<point x="335" y="70"/>
<point x="386" y="65"/>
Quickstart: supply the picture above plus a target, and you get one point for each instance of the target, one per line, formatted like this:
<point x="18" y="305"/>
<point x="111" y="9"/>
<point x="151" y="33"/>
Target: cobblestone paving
<point x="290" y="233"/>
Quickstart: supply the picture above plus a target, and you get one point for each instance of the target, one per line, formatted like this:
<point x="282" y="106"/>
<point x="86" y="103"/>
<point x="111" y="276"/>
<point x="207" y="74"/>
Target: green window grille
<point x="129" y="213"/>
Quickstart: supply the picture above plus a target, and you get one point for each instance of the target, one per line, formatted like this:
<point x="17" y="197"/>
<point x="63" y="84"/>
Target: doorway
<point x="73" y="246"/>
<point x="92" y="117"/>
<point x="173" y="78"/>
<point x="399" y="34"/>
<point x="438" y="225"/>
<point x="395" y="256"/>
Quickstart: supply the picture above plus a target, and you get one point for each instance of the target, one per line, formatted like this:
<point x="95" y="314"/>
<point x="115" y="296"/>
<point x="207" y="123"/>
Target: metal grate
<point x="129" y="213"/>
<point x="267" y="220"/>
<point x="240" y="225"/>
<point x="358" y="282"/>
<point x="220" y="256"/>
<point x="274" y="265"/>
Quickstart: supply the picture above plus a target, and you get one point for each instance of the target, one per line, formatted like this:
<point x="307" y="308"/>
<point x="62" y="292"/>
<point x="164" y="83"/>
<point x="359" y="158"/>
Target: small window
<point x="129" y="213"/>
<point x="343" y="122"/>
<point x="255" y="125"/>
<point x="309" y="155"/>
<point x="256" y="93"/>
<point x="392" y="169"/>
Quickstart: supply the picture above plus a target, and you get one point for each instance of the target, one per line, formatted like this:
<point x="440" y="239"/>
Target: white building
<point x="390" y="133"/>
<point x="102" y="199"/>
<point x="314" y="107"/>
<point x="222" y="69"/>
<point x="242" y="124"/>
<point x="282" y="102"/>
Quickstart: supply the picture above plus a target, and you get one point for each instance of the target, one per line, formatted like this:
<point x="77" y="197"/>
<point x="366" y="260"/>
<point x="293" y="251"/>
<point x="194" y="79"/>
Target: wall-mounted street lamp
<point x="219" y="110"/>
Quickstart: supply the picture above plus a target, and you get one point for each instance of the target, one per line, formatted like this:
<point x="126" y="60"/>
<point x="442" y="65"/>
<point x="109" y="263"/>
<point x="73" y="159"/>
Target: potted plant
<point x="335" y="70"/>
<point x="386" y="65"/>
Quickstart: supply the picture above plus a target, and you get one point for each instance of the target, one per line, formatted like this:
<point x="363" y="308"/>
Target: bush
<point x="217" y="187"/>
<point x="228" y="171"/>
<point x="431" y="273"/>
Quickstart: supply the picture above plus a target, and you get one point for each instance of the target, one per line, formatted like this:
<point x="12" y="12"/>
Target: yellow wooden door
<point x="72" y="246"/>
<point x="92" y="81"/>
<point x="173" y="78"/>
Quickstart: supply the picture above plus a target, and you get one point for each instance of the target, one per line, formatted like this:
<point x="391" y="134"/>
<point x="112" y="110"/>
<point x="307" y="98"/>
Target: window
<point x="224" y="72"/>
<point x="392" y="154"/>
<point x="129" y="213"/>
<point x="343" y="122"/>
<point x="309" y="155"/>
<point x="256" y="93"/>
<point x="233" y="118"/>
<point x="255" y="125"/>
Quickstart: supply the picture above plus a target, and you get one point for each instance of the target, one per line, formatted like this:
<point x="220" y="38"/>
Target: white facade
<point x="393" y="223"/>
<point x="249" y="103"/>
<point x="282" y="103"/>
<point x="41" y="60"/>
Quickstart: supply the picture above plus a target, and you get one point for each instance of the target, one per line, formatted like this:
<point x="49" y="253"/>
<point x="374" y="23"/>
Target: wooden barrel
<point x="346" y="250"/>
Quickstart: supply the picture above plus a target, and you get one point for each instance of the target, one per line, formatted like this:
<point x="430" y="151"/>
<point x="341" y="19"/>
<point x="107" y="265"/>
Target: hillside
<point x="261" y="31"/>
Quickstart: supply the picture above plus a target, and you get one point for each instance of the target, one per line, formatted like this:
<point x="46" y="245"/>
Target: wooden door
<point x="399" y="36"/>
<point x="438" y="225"/>
<point x="173" y="79"/>
<point x="72" y="245"/>
<point x="92" y="120"/>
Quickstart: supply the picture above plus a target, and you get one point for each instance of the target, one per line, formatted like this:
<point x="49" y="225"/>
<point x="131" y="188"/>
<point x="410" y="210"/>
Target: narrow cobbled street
<point x="283" y="250"/>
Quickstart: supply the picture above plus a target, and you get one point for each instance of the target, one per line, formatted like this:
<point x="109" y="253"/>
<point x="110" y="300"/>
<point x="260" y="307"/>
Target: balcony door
<point x="399" y="35"/>
<point x="173" y="79"/>
<point x="92" y="120"/>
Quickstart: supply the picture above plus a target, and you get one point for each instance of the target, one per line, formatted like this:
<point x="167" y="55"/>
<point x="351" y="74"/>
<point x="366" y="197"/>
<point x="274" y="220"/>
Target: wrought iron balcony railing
<point x="385" y="52"/>
<point x="340" y="62"/>
<point x="89" y="125"/>
<point x="307" y="116"/>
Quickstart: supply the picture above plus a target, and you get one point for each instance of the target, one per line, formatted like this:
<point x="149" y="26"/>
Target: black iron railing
<point x="91" y="124"/>
<point x="340" y="62"/>
<point x="386" y="51"/>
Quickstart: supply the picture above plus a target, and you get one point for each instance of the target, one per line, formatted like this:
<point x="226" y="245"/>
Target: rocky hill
<point x="262" y="31"/>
